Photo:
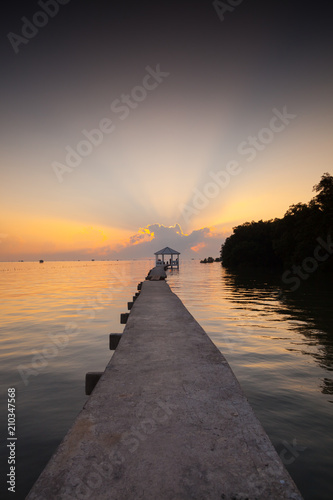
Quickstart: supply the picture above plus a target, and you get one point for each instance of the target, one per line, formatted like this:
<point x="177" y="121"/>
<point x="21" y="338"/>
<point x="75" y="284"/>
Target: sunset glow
<point x="140" y="138"/>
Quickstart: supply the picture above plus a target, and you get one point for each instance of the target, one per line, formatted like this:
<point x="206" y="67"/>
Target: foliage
<point x="280" y="243"/>
<point x="207" y="261"/>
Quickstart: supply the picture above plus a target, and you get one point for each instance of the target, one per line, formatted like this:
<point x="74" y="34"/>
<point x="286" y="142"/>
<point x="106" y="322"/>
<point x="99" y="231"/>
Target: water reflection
<point x="308" y="311"/>
<point x="44" y="360"/>
<point x="279" y="345"/>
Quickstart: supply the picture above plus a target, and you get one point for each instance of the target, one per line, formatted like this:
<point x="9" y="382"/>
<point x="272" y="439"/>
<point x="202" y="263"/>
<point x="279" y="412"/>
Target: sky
<point x="130" y="126"/>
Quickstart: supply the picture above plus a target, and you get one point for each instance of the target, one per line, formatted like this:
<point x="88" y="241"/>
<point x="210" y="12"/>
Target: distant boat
<point x="41" y="261"/>
<point x="92" y="260"/>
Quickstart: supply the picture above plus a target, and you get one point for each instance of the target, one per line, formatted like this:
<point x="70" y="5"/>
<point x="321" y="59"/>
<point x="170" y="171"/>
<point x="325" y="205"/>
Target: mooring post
<point x="91" y="380"/>
<point x="124" y="318"/>
<point x="114" y="340"/>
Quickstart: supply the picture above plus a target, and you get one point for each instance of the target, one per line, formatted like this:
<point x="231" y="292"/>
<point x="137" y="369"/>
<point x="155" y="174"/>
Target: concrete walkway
<point x="157" y="273"/>
<point x="166" y="421"/>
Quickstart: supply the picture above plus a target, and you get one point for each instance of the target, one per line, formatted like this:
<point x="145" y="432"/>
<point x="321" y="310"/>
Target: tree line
<point x="282" y="243"/>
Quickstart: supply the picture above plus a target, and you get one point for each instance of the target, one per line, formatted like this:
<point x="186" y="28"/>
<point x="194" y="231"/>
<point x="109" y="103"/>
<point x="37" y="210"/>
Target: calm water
<point x="56" y="318"/>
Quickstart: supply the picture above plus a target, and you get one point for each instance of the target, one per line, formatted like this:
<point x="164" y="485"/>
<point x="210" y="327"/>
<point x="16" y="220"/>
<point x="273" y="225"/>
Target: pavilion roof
<point x="167" y="251"/>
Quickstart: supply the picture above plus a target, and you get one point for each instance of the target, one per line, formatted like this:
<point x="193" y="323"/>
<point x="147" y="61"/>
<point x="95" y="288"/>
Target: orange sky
<point x="70" y="220"/>
<point x="156" y="167"/>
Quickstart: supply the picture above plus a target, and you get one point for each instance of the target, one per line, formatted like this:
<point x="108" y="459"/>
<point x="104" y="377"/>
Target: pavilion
<point x="174" y="257"/>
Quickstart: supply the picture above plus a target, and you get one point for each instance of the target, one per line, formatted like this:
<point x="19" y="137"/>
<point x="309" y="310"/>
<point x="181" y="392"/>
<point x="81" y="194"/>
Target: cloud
<point x="204" y="242"/>
<point x="141" y="236"/>
<point x="198" y="247"/>
<point x="153" y="237"/>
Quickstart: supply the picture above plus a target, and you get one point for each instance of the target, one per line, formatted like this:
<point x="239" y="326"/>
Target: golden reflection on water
<point x="279" y="345"/>
<point x="39" y="300"/>
<point x="248" y="315"/>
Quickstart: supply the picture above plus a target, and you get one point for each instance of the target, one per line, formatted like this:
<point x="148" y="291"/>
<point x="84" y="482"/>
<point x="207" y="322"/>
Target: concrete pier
<point x="157" y="273"/>
<point x="166" y="421"/>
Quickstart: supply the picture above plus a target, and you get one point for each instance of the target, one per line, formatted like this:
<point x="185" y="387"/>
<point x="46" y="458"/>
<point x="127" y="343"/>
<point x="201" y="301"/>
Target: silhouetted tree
<point x="324" y="198"/>
<point x="283" y="242"/>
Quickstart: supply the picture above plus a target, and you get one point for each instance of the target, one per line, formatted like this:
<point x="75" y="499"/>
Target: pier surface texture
<point x="166" y="421"/>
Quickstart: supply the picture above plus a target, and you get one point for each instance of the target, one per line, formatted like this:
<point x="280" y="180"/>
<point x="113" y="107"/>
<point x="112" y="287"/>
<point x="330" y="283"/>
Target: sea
<point x="56" y="318"/>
